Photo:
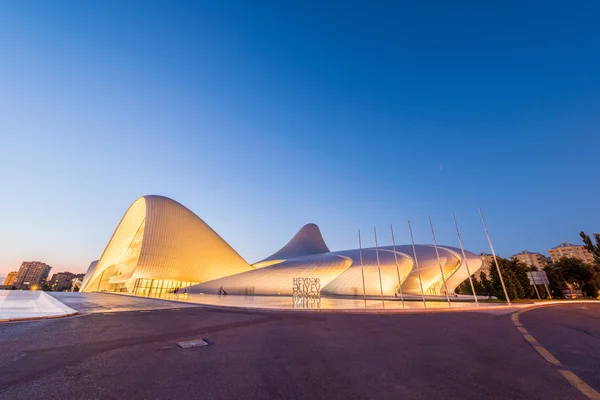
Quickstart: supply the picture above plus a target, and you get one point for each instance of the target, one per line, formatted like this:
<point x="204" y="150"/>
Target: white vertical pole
<point x="378" y="267"/>
<point x="397" y="267"/>
<point x="437" y="253"/>
<point x="417" y="264"/>
<point x="362" y="269"/>
<point x="462" y="249"/>
<point x="494" y="254"/>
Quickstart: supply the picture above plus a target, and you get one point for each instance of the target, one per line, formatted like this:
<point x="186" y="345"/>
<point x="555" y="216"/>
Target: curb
<point x="67" y="311"/>
<point x="38" y="318"/>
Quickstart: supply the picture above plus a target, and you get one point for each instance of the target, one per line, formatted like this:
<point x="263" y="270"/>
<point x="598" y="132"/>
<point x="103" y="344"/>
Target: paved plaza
<point x="111" y="353"/>
<point x="18" y="305"/>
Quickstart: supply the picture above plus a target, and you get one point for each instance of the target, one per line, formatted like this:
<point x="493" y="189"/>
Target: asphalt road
<point x="133" y="355"/>
<point x="572" y="334"/>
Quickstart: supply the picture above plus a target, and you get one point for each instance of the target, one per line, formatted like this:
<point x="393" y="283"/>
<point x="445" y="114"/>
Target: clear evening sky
<point x="263" y="116"/>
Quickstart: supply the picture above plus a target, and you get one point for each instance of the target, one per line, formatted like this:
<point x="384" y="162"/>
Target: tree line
<point x="564" y="274"/>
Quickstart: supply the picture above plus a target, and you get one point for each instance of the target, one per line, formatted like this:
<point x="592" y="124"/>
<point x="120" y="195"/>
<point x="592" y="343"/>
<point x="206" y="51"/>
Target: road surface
<point x="254" y="355"/>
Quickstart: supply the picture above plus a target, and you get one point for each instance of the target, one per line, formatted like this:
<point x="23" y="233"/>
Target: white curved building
<point x="340" y="273"/>
<point x="160" y="246"/>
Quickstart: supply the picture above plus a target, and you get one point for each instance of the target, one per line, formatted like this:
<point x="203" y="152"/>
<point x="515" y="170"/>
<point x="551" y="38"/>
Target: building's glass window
<point x="159" y="288"/>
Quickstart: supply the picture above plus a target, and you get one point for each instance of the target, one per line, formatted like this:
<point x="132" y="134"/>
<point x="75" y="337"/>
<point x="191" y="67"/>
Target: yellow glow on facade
<point x="159" y="239"/>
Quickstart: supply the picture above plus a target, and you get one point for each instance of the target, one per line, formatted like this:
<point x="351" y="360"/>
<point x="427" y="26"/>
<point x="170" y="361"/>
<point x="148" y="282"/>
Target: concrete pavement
<point x="280" y="355"/>
<point x="18" y="305"/>
<point x="110" y="302"/>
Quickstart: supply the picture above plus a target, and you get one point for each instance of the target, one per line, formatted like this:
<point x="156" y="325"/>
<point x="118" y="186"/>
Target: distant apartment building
<point x="32" y="274"/>
<point x="571" y="251"/>
<point x="530" y="259"/>
<point x="61" y="281"/>
<point x="10" y="279"/>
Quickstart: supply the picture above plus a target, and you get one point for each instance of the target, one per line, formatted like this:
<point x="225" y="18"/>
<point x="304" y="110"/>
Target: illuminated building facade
<point x="10" y="279"/>
<point x="32" y="275"/>
<point x="160" y="246"/>
<point x="340" y="273"/>
<point x="530" y="259"/>
<point x="571" y="251"/>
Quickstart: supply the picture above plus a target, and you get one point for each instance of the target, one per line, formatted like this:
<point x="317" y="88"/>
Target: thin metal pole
<point x="417" y="264"/>
<point x="546" y="285"/>
<point x="362" y="269"/>
<point x="494" y="254"/>
<point x="437" y="253"/>
<point x="462" y="249"/>
<point x="535" y="285"/>
<point x="397" y="267"/>
<point x="378" y="266"/>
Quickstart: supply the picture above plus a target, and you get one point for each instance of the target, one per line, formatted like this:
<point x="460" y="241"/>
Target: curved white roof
<point x="159" y="239"/>
<point x="307" y="241"/>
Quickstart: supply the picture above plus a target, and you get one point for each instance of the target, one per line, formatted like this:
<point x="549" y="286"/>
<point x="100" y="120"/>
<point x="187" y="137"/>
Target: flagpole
<point x="462" y="249"/>
<point x="378" y="267"/>
<point x="494" y="255"/>
<point x="437" y="253"/>
<point x="417" y="264"/>
<point x="362" y="269"/>
<point x="397" y="267"/>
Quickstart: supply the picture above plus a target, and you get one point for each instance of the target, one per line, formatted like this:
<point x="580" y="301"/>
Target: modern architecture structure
<point x="88" y="273"/>
<point x="530" y="259"/>
<point x="160" y="247"/>
<point x="10" y="279"/>
<point x="387" y="270"/>
<point x="572" y="251"/>
<point x="32" y="275"/>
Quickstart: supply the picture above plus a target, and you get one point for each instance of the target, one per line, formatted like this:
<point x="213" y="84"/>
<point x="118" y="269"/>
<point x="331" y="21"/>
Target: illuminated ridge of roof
<point x="307" y="241"/>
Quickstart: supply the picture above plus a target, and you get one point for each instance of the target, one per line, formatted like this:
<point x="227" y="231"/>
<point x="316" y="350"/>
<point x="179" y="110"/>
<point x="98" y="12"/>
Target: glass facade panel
<point x="160" y="288"/>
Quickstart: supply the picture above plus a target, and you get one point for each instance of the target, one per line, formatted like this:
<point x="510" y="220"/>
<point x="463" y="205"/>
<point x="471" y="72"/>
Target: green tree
<point x="513" y="288"/>
<point x="465" y="287"/>
<point x="528" y="291"/>
<point x="572" y="273"/>
<point x="485" y="284"/>
<point x="557" y="281"/>
<point x="589" y="246"/>
<point x="575" y="271"/>
<point x="591" y="288"/>
<point x="515" y="279"/>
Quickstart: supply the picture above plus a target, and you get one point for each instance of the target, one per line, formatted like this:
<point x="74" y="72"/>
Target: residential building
<point x="10" y="279"/>
<point x="32" y="275"/>
<point x="530" y="259"/>
<point x="61" y="281"/>
<point x="572" y="251"/>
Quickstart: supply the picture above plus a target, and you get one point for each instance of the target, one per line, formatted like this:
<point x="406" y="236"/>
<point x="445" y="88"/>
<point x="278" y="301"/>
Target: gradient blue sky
<point x="263" y="116"/>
